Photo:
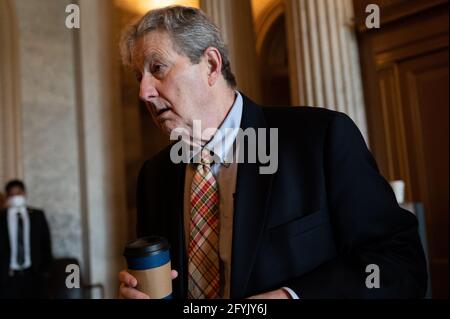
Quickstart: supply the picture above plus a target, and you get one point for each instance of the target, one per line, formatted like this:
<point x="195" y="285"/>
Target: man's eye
<point x="156" y="68"/>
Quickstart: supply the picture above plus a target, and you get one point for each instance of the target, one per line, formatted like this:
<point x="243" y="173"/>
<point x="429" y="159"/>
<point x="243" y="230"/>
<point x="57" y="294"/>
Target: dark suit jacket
<point x="41" y="252"/>
<point x="314" y="225"/>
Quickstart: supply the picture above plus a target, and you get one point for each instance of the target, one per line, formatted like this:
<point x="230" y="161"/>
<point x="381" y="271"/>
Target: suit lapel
<point x="179" y="256"/>
<point x="4" y="228"/>
<point x="4" y="231"/>
<point x="252" y="193"/>
<point x="34" y="236"/>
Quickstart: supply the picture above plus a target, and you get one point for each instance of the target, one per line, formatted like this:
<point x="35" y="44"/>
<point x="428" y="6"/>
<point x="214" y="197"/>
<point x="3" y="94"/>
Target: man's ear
<point x="214" y="63"/>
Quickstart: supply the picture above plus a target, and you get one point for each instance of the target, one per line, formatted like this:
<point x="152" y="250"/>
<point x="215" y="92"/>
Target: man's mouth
<point x="161" y="112"/>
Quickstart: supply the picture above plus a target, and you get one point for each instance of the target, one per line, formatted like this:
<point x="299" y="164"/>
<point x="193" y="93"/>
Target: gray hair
<point x="190" y="30"/>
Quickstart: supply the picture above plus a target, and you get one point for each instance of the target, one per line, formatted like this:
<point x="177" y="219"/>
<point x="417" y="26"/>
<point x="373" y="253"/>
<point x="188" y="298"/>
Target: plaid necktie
<point x="204" y="279"/>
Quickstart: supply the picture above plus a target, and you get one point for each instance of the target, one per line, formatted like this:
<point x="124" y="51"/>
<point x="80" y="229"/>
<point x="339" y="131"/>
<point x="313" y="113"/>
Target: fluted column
<point x="234" y="18"/>
<point x="11" y="161"/>
<point x="323" y="54"/>
<point x="101" y="148"/>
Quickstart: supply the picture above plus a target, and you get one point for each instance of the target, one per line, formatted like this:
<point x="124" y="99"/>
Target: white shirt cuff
<point x="291" y="292"/>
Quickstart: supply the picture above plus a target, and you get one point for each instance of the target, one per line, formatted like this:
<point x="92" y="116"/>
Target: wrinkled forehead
<point x="151" y="45"/>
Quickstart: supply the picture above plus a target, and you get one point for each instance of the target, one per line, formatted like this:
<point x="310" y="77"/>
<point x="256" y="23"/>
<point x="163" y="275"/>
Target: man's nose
<point x="147" y="88"/>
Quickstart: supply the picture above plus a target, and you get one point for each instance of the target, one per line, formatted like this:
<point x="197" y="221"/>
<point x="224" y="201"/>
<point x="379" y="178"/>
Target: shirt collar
<point x="17" y="210"/>
<point x="222" y="142"/>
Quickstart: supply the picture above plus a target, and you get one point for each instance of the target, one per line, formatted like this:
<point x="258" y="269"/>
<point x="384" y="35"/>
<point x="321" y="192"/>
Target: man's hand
<point x="275" y="294"/>
<point x="128" y="286"/>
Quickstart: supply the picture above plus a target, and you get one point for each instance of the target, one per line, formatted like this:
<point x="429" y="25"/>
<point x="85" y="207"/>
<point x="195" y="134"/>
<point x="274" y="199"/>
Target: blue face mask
<point x="17" y="201"/>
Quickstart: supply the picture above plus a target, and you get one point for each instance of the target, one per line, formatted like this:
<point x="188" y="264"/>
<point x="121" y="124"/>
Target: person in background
<point x="25" y="247"/>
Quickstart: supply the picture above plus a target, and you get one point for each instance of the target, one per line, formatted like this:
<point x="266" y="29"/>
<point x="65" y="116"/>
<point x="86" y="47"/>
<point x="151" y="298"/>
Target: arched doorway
<point x="274" y="66"/>
<point x="11" y="165"/>
<point x="272" y="50"/>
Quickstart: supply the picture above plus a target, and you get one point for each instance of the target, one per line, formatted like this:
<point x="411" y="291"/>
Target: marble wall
<point x="49" y="122"/>
<point x="71" y="125"/>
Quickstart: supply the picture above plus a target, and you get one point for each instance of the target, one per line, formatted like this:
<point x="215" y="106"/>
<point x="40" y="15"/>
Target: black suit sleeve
<point x="149" y="222"/>
<point x="141" y="202"/>
<point x="369" y="227"/>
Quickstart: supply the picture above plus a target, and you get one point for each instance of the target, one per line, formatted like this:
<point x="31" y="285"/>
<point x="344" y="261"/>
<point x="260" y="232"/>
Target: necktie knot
<point x="207" y="157"/>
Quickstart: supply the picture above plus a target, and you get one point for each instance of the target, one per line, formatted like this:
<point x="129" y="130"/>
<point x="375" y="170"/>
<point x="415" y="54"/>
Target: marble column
<point x="101" y="144"/>
<point x="234" y="18"/>
<point x="11" y="164"/>
<point x="323" y="54"/>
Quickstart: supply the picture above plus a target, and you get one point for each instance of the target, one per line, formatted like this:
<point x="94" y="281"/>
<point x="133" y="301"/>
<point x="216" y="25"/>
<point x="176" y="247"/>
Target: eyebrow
<point x="147" y="59"/>
<point x="151" y="57"/>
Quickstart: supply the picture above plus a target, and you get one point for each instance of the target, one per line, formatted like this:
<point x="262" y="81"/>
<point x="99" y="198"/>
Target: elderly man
<point x="310" y="229"/>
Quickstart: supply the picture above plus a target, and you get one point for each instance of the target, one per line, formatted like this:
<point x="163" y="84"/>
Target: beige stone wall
<point x="71" y="125"/>
<point x="49" y="121"/>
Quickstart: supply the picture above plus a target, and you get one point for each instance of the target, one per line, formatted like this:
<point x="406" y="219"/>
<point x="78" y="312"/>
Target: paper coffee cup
<point x="148" y="260"/>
